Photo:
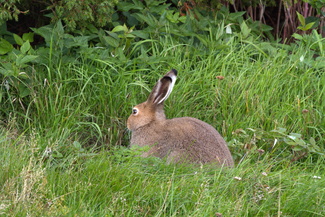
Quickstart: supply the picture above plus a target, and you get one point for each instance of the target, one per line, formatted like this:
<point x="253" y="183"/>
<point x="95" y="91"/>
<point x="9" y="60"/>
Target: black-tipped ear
<point x="163" y="88"/>
<point x="174" y="71"/>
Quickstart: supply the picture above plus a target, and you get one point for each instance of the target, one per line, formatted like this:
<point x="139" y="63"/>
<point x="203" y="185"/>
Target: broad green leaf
<point x="28" y="36"/>
<point x="91" y="28"/>
<point x="298" y="148"/>
<point x="113" y="34"/>
<point x="77" y="145"/>
<point x="125" y="6"/>
<point x="57" y="154"/>
<point x="265" y="28"/>
<point x="78" y="41"/>
<point x="25" y="47"/>
<point x="279" y="130"/>
<point x="294" y="136"/>
<point x="309" y="26"/>
<point x="159" y="8"/>
<point x="120" y="28"/>
<point x="18" y="39"/>
<point x="297" y="36"/>
<point x="173" y="17"/>
<point x="111" y="41"/>
<point x="140" y="34"/>
<point x="25" y="59"/>
<point x="58" y="29"/>
<point x="150" y="20"/>
<point x="301" y="19"/>
<point x="5" y="46"/>
<point x="7" y="72"/>
<point x="23" y="90"/>
<point x="235" y="15"/>
<point x="245" y="30"/>
<point x="182" y="19"/>
<point x="289" y="142"/>
<point x="130" y="36"/>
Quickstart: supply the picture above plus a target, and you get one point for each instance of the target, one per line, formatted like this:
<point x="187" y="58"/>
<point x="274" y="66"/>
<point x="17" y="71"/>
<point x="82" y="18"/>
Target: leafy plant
<point x="78" y="14"/>
<point x="9" y="10"/>
<point x="314" y="56"/>
<point x="304" y="26"/>
<point x="16" y="69"/>
<point x="280" y="143"/>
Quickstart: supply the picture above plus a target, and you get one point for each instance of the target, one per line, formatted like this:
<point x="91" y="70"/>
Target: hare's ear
<point x="163" y="88"/>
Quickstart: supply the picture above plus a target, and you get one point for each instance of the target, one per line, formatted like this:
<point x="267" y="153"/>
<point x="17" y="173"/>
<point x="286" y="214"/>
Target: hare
<point x="179" y="140"/>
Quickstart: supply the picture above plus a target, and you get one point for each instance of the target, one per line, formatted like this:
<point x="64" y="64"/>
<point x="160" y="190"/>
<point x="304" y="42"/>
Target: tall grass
<point x="264" y="87"/>
<point x="64" y="156"/>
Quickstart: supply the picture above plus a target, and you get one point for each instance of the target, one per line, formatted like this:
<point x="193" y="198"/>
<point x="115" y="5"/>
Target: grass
<point x="64" y="153"/>
<point x="117" y="183"/>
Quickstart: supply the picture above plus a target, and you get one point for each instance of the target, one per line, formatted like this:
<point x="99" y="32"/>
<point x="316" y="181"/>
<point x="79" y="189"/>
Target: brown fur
<point x="183" y="139"/>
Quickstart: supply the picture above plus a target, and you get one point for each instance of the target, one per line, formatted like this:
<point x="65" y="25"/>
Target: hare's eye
<point x="134" y="111"/>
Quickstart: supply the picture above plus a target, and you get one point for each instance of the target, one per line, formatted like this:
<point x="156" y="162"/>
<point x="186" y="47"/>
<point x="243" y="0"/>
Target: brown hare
<point x="179" y="140"/>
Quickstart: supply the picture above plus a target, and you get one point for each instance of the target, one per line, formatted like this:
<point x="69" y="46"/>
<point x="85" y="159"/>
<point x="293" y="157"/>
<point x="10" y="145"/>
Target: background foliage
<point x="280" y="15"/>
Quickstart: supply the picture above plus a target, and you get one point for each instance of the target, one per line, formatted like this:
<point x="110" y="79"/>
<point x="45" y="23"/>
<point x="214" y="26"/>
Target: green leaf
<point x="280" y="130"/>
<point x="23" y="90"/>
<point x="182" y="19"/>
<point x="149" y="19"/>
<point x="113" y="34"/>
<point x="125" y="6"/>
<point x="120" y="29"/>
<point x="91" y="28"/>
<point x="301" y="19"/>
<point x="77" y="145"/>
<point x="245" y="30"/>
<point x="309" y="26"/>
<point x="297" y="36"/>
<point x="234" y="16"/>
<point x="111" y="41"/>
<point x="18" y="39"/>
<point x="78" y="41"/>
<point x="58" y="29"/>
<point x="141" y="34"/>
<point x="130" y="36"/>
<point x="28" y="36"/>
<point x="298" y="148"/>
<point x="57" y="154"/>
<point x="25" y="59"/>
<point x="25" y="47"/>
<point x="5" y="46"/>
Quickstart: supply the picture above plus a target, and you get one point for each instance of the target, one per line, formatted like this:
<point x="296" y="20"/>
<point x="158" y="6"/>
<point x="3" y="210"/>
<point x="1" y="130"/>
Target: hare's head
<point x="153" y="108"/>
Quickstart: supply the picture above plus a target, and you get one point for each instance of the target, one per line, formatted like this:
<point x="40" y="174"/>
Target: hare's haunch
<point x="183" y="139"/>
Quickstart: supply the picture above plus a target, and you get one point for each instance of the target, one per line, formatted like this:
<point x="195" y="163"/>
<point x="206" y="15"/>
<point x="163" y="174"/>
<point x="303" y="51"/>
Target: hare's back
<point x="192" y="127"/>
<point x="200" y="140"/>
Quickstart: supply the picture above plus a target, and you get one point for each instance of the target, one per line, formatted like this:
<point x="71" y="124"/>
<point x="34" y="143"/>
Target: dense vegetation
<point x="66" y="93"/>
<point x="285" y="17"/>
